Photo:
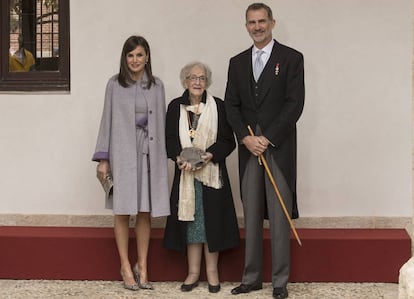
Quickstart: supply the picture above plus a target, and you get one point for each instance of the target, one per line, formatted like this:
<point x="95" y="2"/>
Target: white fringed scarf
<point x="205" y="136"/>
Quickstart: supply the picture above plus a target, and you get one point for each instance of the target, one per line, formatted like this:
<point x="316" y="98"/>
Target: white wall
<point x="354" y="153"/>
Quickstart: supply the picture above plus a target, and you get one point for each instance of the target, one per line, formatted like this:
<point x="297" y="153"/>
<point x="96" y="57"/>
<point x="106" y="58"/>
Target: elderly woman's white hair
<point x="186" y="71"/>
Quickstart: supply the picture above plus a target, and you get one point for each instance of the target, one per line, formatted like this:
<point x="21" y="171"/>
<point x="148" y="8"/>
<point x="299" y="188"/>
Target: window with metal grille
<point x="35" y="45"/>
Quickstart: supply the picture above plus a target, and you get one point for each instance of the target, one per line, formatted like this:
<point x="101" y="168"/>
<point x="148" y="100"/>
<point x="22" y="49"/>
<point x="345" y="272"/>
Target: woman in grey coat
<point x="131" y="146"/>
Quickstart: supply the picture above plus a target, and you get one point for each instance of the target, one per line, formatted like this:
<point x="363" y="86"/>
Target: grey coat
<point x="117" y="143"/>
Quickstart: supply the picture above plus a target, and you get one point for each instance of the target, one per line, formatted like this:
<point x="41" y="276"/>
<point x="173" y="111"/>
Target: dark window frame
<point x="37" y="80"/>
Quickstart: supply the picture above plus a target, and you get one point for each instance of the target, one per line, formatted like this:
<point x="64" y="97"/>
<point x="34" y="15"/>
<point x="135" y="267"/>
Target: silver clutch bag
<point x="107" y="184"/>
<point x="192" y="155"/>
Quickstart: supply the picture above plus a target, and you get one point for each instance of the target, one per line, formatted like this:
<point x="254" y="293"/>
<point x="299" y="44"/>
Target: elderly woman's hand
<point x="207" y="157"/>
<point x="102" y="169"/>
<point x="184" y="165"/>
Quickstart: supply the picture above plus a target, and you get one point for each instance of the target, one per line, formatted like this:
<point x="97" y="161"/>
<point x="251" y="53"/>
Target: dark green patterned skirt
<point x="196" y="232"/>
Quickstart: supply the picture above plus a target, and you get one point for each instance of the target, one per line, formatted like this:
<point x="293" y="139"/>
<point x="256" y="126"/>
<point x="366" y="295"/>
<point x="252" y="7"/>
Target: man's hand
<point x="256" y="144"/>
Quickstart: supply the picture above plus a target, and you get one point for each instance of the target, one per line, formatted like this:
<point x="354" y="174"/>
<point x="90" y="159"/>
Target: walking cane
<point x="272" y="180"/>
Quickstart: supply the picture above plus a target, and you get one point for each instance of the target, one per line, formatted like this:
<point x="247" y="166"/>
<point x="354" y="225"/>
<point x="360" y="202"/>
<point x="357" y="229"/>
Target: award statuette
<point x="192" y="155"/>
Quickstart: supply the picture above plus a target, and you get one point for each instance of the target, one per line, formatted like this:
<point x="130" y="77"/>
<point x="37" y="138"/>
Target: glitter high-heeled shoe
<point x="131" y="287"/>
<point x="146" y="285"/>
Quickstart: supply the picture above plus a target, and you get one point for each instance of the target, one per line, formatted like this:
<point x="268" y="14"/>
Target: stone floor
<point x="15" y="289"/>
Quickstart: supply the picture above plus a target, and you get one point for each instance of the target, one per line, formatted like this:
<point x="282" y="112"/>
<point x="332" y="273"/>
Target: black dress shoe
<point x="280" y="293"/>
<point x="214" y="289"/>
<point x="189" y="287"/>
<point x="246" y="288"/>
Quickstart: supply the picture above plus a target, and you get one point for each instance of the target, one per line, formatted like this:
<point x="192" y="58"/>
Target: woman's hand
<point x="102" y="169"/>
<point x="207" y="157"/>
<point x="184" y="165"/>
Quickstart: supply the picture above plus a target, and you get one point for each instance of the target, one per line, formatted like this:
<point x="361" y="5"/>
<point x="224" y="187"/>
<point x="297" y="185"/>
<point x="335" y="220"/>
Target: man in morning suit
<point x="265" y="90"/>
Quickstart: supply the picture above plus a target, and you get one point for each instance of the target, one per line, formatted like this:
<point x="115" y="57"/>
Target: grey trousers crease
<point x="256" y="189"/>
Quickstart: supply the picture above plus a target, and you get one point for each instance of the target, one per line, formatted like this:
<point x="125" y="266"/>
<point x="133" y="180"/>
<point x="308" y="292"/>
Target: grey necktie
<point x="258" y="65"/>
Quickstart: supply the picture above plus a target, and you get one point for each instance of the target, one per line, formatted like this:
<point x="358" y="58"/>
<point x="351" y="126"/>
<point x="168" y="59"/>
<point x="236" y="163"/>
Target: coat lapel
<point x="249" y="74"/>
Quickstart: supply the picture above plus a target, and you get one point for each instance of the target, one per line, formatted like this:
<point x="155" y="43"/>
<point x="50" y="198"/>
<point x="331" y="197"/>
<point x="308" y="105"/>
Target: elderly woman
<point x="202" y="209"/>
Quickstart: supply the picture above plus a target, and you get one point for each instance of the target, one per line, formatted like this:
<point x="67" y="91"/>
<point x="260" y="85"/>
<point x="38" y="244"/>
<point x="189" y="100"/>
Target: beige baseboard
<point x="107" y="221"/>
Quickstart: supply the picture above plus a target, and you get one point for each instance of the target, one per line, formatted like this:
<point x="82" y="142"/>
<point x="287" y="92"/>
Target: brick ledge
<point x="107" y="221"/>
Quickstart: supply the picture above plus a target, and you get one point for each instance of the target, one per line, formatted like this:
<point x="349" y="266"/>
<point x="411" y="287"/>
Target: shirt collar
<point x="267" y="49"/>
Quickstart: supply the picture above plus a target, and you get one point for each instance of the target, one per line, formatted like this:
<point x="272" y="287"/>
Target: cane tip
<point x="300" y="243"/>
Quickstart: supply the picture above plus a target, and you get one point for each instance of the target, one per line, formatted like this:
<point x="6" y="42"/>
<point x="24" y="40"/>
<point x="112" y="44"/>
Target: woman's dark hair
<point x="124" y="76"/>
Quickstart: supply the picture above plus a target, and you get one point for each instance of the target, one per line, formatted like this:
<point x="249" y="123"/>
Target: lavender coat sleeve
<point x="102" y="144"/>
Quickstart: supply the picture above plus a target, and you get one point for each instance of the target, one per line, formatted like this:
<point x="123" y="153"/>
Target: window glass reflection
<point x="20" y="59"/>
<point x="34" y="35"/>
